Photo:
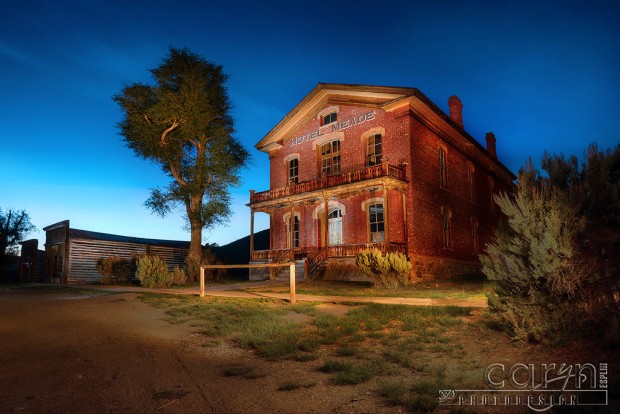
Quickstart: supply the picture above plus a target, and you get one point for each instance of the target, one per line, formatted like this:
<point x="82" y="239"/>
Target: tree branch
<point x="166" y="131"/>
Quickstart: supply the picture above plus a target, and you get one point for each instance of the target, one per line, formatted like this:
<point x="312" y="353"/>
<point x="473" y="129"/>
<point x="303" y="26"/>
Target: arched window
<point x="293" y="170"/>
<point x="330" y="158"/>
<point x="329" y="118"/>
<point x="376" y="223"/>
<point x="470" y="181"/>
<point x="294" y="243"/>
<point x="374" y="150"/>
<point x="446" y="225"/>
<point x="443" y="168"/>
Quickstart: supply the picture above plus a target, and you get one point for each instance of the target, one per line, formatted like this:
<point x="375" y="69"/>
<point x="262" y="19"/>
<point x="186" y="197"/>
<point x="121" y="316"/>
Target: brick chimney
<point x="456" y="110"/>
<point x="491" y="144"/>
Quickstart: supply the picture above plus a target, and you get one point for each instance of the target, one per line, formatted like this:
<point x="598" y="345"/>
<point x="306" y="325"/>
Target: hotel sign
<point x="335" y="127"/>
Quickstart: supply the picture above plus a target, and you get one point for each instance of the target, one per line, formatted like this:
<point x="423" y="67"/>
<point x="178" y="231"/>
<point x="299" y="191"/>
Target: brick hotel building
<point x="355" y="166"/>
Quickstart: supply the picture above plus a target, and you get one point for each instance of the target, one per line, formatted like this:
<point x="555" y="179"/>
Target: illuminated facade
<point x="354" y="166"/>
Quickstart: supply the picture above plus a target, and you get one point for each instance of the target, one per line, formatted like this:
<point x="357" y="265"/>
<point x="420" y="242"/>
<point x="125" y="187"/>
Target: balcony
<point x="355" y="176"/>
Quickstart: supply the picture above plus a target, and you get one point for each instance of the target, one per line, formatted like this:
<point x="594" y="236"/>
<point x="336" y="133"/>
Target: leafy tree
<point x="183" y="123"/>
<point x="14" y="226"/>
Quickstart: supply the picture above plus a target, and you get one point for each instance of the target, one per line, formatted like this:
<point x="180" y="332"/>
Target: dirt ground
<point x="68" y="353"/>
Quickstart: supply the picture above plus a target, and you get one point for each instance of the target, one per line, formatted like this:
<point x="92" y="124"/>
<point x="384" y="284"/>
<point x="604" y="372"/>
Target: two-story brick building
<point x="355" y="166"/>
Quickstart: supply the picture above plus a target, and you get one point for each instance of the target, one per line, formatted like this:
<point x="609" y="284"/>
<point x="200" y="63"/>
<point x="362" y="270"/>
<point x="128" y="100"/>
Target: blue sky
<point x="540" y="75"/>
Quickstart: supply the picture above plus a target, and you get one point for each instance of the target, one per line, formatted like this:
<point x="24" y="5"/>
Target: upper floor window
<point x="293" y="170"/>
<point x="377" y="225"/>
<point x="491" y="193"/>
<point x="443" y="168"/>
<point x="446" y="225"/>
<point x="329" y="118"/>
<point x="374" y="150"/>
<point x="330" y="158"/>
<point x="470" y="181"/>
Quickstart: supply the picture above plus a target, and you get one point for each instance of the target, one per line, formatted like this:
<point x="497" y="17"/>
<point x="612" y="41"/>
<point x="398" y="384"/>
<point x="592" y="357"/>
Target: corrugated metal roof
<point x="93" y="235"/>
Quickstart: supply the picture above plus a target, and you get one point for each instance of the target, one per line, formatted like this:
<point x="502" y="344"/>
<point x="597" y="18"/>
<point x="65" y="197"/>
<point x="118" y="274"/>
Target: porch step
<point x="284" y="276"/>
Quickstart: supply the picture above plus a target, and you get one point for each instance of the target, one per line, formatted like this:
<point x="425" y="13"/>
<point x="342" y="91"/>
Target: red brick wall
<point x="406" y="140"/>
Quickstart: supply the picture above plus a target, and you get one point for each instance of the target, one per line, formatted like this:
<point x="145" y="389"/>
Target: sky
<point x="541" y="75"/>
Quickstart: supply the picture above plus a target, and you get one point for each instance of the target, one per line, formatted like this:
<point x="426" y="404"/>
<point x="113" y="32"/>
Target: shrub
<point x="116" y="269"/>
<point x="390" y="271"/>
<point x="541" y="278"/>
<point x="153" y="272"/>
<point x="178" y="276"/>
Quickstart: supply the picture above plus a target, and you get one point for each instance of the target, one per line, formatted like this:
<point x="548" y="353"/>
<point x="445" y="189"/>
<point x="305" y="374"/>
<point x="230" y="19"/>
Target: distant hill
<point x="238" y="252"/>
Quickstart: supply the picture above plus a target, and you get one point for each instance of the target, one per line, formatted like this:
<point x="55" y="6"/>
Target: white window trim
<point x="331" y="205"/>
<point x="374" y="200"/>
<point x="328" y="138"/>
<point x="371" y="132"/>
<point x="290" y="157"/>
<point x="327" y="111"/>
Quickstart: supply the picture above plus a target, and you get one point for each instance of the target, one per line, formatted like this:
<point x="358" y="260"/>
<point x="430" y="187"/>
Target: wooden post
<point x="386" y="219"/>
<point x="292" y="279"/>
<point x="292" y="232"/>
<point x="326" y="224"/>
<point x="251" y="232"/>
<point x="406" y="230"/>
<point x="202" y="282"/>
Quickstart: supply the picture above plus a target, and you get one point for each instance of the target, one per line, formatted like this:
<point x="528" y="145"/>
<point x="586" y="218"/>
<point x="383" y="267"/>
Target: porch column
<point x="386" y="219"/>
<point x="406" y="230"/>
<point x="325" y="223"/>
<point x="251" y="232"/>
<point x="291" y="232"/>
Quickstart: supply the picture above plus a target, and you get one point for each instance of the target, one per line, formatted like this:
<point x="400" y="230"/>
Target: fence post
<point x="202" y="282"/>
<point x="292" y="278"/>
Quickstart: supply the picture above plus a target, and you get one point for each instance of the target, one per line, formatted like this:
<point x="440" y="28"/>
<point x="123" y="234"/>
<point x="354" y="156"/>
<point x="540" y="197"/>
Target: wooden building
<point x="31" y="262"/>
<point x="71" y="254"/>
<point x="355" y="166"/>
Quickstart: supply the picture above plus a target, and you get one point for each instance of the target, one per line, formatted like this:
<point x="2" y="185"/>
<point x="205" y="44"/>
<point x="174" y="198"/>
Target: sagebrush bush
<point x="153" y="272"/>
<point x="116" y="269"/>
<point x="178" y="276"/>
<point x="389" y="272"/>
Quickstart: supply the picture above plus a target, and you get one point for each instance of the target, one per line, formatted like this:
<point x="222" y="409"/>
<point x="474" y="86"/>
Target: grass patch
<point x="295" y="385"/>
<point x="245" y="371"/>
<point x="469" y="288"/>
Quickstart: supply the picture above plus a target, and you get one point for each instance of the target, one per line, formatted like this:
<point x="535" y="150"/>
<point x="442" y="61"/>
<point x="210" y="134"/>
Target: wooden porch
<point x="340" y="250"/>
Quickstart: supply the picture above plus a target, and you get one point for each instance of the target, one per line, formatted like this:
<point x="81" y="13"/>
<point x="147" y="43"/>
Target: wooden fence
<point x="291" y="266"/>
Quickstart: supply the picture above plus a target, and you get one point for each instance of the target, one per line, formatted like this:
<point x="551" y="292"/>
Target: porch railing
<point x="357" y="175"/>
<point x="340" y="250"/>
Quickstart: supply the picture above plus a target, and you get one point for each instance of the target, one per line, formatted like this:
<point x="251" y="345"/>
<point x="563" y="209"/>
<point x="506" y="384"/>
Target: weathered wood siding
<point x="84" y="253"/>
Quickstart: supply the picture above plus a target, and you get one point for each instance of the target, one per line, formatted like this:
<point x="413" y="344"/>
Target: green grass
<point x="423" y="346"/>
<point x="474" y="288"/>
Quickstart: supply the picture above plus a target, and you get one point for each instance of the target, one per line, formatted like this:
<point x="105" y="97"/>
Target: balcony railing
<point x="361" y="174"/>
<point x="340" y="250"/>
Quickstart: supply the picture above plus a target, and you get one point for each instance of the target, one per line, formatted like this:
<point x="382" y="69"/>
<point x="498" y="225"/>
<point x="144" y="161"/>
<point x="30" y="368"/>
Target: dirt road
<point x="68" y="353"/>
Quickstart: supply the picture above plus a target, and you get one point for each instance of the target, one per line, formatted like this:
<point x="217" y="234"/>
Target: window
<point x="329" y="118"/>
<point x="293" y="170"/>
<point x="470" y="181"/>
<point x="373" y="151"/>
<point x="377" y="226"/>
<point x="474" y="235"/>
<point x="446" y="218"/>
<point x="491" y="192"/>
<point x="330" y="158"/>
<point x="443" y="173"/>
<point x="295" y="241"/>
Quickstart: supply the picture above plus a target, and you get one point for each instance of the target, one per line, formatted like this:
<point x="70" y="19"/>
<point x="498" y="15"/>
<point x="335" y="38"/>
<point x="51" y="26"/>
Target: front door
<point x="335" y="227"/>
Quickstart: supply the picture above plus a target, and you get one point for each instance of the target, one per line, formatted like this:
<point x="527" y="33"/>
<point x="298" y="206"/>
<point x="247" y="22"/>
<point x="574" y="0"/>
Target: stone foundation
<point x="428" y="268"/>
